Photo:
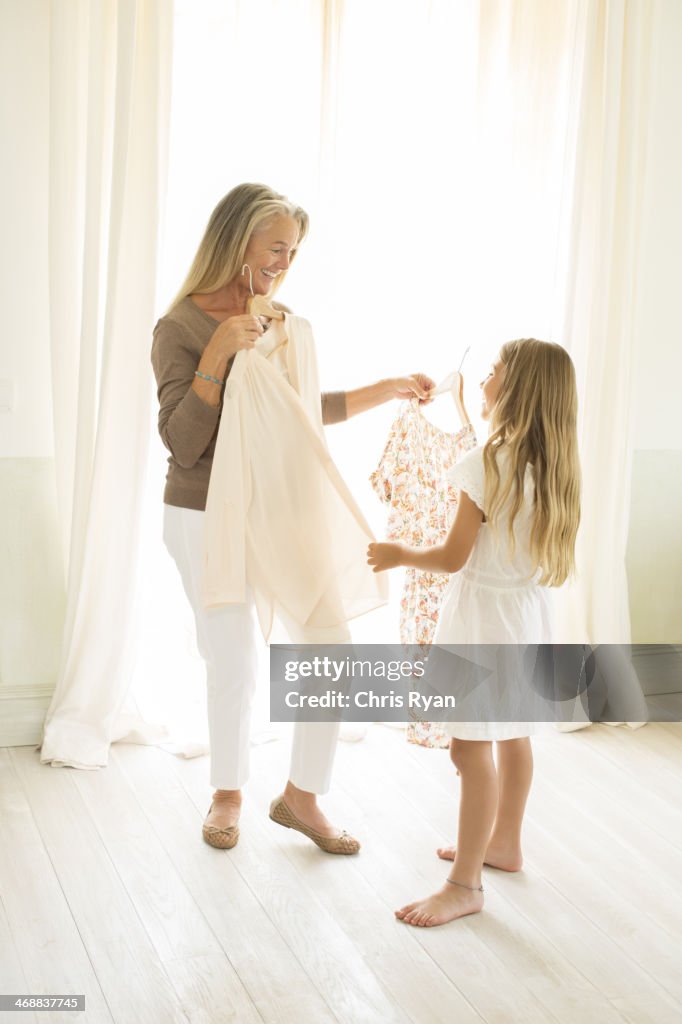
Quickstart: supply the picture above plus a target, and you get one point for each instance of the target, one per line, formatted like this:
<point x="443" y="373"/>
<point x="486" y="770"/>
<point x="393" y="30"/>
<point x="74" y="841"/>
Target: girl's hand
<point x="417" y="385"/>
<point x="384" y="556"/>
<point x="235" y="333"/>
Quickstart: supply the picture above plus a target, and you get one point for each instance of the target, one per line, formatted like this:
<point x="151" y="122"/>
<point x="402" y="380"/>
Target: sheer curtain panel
<point x="109" y="102"/>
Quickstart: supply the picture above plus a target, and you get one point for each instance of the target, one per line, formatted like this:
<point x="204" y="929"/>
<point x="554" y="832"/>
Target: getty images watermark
<point x="466" y="682"/>
<point x="333" y="673"/>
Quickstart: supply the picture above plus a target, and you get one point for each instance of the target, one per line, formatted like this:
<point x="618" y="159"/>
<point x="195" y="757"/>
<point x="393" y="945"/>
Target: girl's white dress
<point x="495" y="599"/>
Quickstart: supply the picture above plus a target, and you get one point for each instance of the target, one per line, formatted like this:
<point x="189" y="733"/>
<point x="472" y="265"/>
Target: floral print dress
<point x="412" y="479"/>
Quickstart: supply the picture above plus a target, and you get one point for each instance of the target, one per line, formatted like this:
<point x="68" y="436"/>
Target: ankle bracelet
<point x="473" y="888"/>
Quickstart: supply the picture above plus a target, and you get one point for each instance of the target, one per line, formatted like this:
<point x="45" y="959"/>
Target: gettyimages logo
<point x="353" y="668"/>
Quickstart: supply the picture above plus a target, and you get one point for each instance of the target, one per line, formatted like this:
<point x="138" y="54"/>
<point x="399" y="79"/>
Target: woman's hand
<point x="384" y="556"/>
<point x="229" y="337"/>
<point x="235" y="333"/>
<point x="417" y="385"/>
<point x="362" y="399"/>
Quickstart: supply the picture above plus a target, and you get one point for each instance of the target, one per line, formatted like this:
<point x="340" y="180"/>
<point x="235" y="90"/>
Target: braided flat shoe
<point x="221" y="838"/>
<point x="282" y="815"/>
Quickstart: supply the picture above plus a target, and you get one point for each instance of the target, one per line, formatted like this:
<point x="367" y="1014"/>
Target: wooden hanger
<point x="259" y="305"/>
<point x="458" y="398"/>
<point x="454" y="383"/>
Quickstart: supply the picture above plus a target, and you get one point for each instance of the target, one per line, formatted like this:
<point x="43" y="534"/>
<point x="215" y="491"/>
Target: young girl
<point x="513" y="537"/>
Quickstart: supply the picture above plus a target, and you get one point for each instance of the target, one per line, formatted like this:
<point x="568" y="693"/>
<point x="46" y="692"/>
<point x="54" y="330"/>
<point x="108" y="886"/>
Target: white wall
<point x="26" y="432"/>
<point x="658" y="325"/>
<point x="655" y="541"/>
<point x="31" y="581"/>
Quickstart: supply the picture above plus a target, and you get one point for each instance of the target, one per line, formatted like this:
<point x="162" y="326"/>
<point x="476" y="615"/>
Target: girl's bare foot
<point x="506" y="858"/>
<point x="447" y="904"/>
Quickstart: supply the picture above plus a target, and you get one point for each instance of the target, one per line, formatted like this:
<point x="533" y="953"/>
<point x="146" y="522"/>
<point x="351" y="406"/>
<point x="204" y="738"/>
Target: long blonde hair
<point x="534" y="421"/>
<point x="220" y="256"/>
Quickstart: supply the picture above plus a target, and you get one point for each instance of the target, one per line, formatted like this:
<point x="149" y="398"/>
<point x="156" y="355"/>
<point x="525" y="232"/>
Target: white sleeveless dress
<point x="494" y="599"/>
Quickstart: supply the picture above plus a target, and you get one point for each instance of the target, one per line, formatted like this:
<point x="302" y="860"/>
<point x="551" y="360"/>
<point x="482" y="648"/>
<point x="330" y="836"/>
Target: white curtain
<point x="109" y="103"/>
<point x="611" y="85"/>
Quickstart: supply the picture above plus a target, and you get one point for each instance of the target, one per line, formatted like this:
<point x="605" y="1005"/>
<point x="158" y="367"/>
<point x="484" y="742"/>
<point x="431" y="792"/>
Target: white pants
<point x="226" y="638"/>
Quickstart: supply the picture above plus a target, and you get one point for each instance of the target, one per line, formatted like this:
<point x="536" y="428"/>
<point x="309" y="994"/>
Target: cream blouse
<point x="279" y="516"/>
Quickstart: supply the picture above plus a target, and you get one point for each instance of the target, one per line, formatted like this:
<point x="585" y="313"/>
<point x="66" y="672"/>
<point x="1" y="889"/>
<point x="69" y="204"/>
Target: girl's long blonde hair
<point x="220" y="256"/>
<point x="534" y="421"/>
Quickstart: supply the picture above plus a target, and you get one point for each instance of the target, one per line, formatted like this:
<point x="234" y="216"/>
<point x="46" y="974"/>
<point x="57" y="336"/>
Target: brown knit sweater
<point x="188" y="426"/>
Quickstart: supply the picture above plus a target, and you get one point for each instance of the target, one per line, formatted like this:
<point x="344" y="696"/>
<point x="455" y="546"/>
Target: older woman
<point x="251" y="239"/>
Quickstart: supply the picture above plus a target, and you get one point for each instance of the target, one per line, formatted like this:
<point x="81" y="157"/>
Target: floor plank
<point x="54" y="956"/>
<point x="12" y="977"/>
<point x="119" y="955"/>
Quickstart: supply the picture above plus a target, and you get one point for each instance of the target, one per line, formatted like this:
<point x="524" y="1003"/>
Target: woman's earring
<point x="247" y="267"/>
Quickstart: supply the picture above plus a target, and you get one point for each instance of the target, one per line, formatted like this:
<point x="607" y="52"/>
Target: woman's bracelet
<point x="205" y="376"/>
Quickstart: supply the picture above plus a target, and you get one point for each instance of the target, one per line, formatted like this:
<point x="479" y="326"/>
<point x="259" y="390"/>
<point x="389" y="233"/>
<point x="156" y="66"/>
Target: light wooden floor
<point x="107" y="889"/>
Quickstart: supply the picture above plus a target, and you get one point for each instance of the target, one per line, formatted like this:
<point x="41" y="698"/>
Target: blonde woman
<point x="513" y="538"/>
<point x="250" y="242"/>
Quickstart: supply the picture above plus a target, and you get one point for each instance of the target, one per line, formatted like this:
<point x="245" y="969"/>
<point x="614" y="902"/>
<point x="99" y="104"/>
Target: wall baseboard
<point x="658" y="667"/>
<point x="22" y="713"/>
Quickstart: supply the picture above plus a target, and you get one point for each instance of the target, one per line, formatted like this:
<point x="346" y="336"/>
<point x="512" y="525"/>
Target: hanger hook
<point x="247" y="267"/>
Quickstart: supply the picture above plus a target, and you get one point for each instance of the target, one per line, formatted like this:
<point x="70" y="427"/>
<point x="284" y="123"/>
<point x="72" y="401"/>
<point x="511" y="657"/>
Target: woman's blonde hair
<point x="534" y="421"/>
<point x="220" y="256"/>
